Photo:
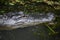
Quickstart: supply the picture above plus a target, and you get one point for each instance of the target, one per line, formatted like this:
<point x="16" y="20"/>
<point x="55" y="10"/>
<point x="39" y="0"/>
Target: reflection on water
<point x="19" y="19"/>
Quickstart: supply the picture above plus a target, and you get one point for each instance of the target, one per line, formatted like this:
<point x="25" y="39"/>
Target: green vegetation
<point x="29" y="5"/>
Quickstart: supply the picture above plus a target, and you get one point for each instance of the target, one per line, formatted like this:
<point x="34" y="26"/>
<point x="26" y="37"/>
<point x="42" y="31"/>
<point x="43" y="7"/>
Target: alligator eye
<point x="24" y="16"/>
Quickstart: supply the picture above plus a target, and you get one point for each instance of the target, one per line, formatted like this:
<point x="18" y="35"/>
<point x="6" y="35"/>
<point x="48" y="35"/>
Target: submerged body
<point x="21" y="20"/>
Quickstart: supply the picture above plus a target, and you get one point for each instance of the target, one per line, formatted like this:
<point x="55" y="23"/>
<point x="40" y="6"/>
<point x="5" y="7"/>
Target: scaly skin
<point x="19" y="20"/>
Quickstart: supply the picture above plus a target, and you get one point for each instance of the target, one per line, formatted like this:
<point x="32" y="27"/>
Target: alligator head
<point x="15" y="20"/>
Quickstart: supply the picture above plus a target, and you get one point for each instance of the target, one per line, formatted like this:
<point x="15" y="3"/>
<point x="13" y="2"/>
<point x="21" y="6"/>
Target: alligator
<point x="13" y="20"/>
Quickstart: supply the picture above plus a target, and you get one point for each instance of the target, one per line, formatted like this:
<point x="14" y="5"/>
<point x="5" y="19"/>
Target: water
<point x="27" y="33"/>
